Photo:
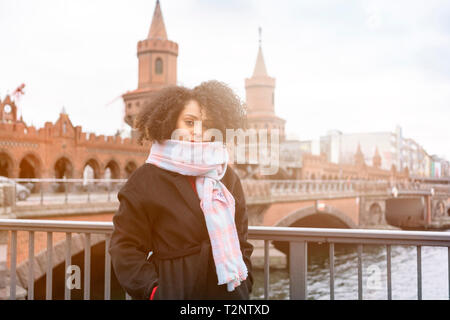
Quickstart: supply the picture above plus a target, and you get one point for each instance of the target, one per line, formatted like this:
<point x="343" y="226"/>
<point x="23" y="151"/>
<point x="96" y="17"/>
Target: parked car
<point x="22" y="192"/>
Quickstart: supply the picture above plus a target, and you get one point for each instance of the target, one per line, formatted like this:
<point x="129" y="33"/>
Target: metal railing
<point x="50" y="227"/>
<point x="65" y="191"/>
<point x="298" y="239"/>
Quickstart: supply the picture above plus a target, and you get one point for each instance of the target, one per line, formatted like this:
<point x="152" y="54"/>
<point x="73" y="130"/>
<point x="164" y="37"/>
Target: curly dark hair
<point x="157" y="120"/>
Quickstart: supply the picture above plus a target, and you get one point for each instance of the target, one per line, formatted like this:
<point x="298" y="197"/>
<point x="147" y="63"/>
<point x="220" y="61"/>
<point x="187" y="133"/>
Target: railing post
<point x="68" y="262"/>
<point x="107" y="293"/>
<point x="30" y="265"/>
<point x="12" y="283"/>
<point x="3" y="257"/>
<point x="87" y="266"/>
<point x="331" y="254"/>
<point x="266" y="269"/>
<point x="42" y="192"/>
<point x="49" y="275"/>
<point x="65" y="192"/>
<point x="298" y="268"/>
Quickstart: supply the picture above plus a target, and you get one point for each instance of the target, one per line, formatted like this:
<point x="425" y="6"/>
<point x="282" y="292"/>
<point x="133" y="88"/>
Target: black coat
<point x="159" y="211"/>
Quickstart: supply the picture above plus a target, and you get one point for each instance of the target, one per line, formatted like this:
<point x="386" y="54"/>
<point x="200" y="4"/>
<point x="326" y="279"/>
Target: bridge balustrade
<point x="105" y="190"/>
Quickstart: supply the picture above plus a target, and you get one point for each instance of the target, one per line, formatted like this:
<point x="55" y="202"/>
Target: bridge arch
<point x="114" y="169"/>
<point x="7" y="164"/>
<point x="63" y="167"/>
<point x="94" y="164"/>
<point x="325" y="216"/>
<point x="30" y="166"/>
<point x="129" y="168"/>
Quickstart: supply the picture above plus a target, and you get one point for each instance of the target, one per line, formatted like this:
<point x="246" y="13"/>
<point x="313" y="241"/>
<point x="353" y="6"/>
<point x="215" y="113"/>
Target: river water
<point x="435" y="281"/>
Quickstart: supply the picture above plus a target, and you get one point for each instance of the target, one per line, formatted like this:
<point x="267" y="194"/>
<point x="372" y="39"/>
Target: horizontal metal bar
<point x="349" y="233"/>
<point x="351" y="240"/>
<point x="56" y="225"/>
<point x="67" y="180"/>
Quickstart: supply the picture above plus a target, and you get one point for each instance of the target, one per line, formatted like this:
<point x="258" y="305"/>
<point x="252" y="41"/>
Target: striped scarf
<point x="208" y="162"/>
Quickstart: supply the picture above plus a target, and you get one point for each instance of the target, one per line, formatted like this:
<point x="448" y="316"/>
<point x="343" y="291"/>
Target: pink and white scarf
<point x="208" y="162"/>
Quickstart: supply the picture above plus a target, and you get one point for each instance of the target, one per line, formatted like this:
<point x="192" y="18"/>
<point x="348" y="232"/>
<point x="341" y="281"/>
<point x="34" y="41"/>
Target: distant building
<point x="61" y="149"/>
<point x="393" y="149"/>
<point x="439" y="168"/>
<point x="291" y="154"/>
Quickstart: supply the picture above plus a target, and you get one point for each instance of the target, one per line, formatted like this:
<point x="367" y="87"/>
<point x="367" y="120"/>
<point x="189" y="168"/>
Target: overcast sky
<point x="355" y="66"/>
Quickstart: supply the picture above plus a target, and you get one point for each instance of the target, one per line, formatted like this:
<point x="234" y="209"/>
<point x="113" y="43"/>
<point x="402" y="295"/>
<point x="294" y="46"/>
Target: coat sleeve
<point x="130" y="245"/>
<point x="241" y="219"/>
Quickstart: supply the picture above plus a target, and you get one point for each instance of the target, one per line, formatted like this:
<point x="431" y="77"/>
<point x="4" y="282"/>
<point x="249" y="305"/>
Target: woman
<point x="181" y="228"/>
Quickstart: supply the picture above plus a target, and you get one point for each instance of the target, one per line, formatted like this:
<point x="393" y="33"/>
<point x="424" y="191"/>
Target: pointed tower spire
<point x="359" y="157"/>
<point x="157" y="67"/>
<point x="260" y="98"/>
<point x="376" y="159"/>
<point x="260" y="31"/>
<point x="260" y="66"/>
<point x="157" y="29"/>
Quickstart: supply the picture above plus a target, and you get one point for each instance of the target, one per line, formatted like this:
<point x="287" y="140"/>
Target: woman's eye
<point x="189" y="122"/>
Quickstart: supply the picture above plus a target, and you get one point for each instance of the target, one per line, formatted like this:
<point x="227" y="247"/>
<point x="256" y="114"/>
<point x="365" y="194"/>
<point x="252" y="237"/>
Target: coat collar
<point x="189" y="195"/>
<point x="185" y="191"/>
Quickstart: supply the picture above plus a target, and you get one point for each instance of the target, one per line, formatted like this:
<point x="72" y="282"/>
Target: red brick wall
<point x="348" y="206"/>
<point x="277" y="211"/>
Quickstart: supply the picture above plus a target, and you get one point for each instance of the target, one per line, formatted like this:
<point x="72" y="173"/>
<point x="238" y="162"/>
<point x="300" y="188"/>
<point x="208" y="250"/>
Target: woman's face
<point x="193" y="112"/>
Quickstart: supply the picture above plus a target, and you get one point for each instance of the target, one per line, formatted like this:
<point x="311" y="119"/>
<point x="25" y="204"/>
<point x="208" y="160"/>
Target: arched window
<point x="158" y="66"/>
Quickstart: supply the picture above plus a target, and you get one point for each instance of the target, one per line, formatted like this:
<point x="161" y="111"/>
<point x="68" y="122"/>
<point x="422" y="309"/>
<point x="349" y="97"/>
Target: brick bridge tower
<point x="260" y="98"/>
<point x="157" y="66"/>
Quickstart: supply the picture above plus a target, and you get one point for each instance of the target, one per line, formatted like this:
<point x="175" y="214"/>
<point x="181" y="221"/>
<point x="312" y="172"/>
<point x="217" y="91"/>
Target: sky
<point x="354" y="66"/>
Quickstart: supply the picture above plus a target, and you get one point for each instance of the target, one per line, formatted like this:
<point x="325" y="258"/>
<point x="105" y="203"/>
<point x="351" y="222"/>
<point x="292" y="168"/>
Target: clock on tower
<point x="8" y="110"/>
